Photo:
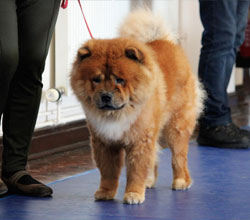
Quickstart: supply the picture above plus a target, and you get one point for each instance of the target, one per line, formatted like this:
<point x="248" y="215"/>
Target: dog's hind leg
<point x="152" y="176"/>
<point x="178" y="133"/>
<point x="181" y="176"/>
<point x="153" y="171"/>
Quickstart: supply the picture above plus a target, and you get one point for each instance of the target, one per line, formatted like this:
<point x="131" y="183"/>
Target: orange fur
<point x="158" y="93"/>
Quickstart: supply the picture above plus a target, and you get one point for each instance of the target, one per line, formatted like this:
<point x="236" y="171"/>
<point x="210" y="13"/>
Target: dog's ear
<point x="83" y="53"/>
<point x="134" y="54"/>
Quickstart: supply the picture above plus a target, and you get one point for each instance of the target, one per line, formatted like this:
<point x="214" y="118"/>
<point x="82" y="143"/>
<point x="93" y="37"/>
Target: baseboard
<point x="54" y="139"/>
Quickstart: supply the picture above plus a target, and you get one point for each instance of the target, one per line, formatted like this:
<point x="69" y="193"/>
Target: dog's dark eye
<point x="97" y="80"/>
<point x="119" y="81"/>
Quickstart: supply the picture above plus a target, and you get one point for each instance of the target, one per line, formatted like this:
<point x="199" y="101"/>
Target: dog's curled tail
<point x="144" y="26"/>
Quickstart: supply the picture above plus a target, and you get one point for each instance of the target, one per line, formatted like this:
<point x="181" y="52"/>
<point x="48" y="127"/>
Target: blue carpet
<point x="221" y="191"/>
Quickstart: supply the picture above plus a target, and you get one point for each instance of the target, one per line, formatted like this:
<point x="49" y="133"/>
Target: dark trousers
<point x="26" y="28"/>
<point x="224" y="22"/>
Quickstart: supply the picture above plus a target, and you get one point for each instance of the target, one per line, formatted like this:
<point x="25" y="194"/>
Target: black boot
<point x="226" y="136"/>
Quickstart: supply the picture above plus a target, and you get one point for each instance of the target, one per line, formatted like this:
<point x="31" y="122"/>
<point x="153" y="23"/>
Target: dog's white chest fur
<point x="110" y="129"/>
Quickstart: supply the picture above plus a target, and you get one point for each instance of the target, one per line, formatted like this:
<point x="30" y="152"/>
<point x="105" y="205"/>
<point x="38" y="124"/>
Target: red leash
<point x="65" y="5"/>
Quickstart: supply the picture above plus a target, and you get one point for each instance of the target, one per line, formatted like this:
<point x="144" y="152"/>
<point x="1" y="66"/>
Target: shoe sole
<point x="45" y="193"/>
<point x="208" y="143"/>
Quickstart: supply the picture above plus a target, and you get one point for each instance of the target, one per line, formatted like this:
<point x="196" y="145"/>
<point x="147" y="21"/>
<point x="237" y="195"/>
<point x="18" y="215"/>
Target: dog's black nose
<point x="106" y="97"/>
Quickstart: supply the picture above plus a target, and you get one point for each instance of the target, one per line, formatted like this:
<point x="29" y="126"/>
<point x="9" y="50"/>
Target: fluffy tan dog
<point x="132" y="88"/>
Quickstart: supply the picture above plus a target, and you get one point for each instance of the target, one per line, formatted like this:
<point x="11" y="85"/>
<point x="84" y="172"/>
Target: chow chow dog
<point x="132" y="89"/>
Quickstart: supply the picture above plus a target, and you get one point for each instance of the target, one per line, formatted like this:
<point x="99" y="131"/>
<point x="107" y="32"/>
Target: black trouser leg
<point x="36" y="21"/>
<point x="8" y="48"/>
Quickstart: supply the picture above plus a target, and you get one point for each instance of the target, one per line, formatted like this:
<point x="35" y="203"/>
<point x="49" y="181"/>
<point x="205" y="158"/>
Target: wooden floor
<point x="61" y="165"/>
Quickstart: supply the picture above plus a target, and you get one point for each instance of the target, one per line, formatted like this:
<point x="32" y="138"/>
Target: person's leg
<point x="241" y="22"/>
<point x="242" y="19"/>
<point x="8" y="48"/>
<point x="221" y="30"/>
<point x="36" y="21"/>
<point x="8" y="55"/>
<point x="219" y="20"/>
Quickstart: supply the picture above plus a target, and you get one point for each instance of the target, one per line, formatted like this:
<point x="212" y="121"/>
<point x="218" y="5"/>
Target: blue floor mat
<point x="221" y="191"/>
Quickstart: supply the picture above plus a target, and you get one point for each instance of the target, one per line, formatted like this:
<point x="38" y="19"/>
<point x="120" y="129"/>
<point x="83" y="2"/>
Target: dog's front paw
<point x="181" y="184"/>
<point x="102" y="194"/>
<point x="133" y="198"/>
